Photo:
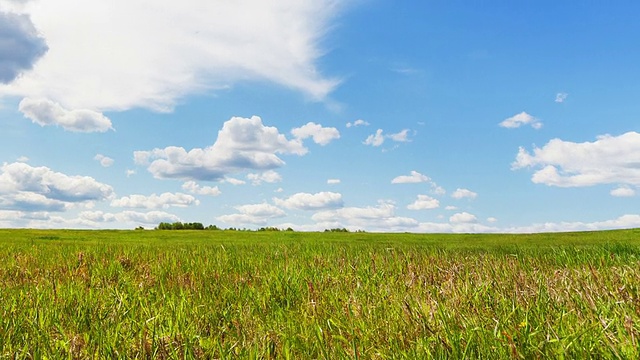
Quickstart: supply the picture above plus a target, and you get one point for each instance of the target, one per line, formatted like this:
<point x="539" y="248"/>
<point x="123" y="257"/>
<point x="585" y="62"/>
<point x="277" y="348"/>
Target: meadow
<point x="259" y="295"/>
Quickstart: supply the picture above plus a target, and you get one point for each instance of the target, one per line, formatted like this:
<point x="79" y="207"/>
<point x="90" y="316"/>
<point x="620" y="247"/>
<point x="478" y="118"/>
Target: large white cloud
<point x="306" y="201"/>
<point x="608" y="160"/>
<point x="28" y="188"/>
<point x="242" y="144"/>
<point x="20" y="45"/>
<point x="122" y="54"/>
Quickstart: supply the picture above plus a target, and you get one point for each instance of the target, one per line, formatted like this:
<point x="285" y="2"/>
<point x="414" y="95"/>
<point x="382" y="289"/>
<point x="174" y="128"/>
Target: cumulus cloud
<point x="233" y="181"/>
<point x="376" y="139"/>
<point x="402" y="136"/>
<point x="242" y="144"/>
<point x="104" y="160"/>
<point x="46" y="113"/>
<point x="153" y="201"/>
<point x="608" y="160"/>
<point x="424" y="202"/>
<point x="521" y="119"/>
<point x="463" y="218"/>
<point x="269" y="176"/>
<point x="140" y="61"/>
<point x="561" y="97"/>
<point x="20" y="45"/>
<point x="333" y="181"/>
<point x="321" y="135"/>
<point x="28" y="188"/>
<point x="623" y="191"/>
<point x="415" y="177"/>
<point x="194" y="188"/>
<point x="306" y="201"/>
<point x="379" y="137"/>
<point x="464" y="193"/>
<point x="255" y="214"/>
<point x="357" y="123"/>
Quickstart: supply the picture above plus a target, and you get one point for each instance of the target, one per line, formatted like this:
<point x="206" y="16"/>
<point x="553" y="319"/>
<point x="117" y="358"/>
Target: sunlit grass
<point x="220" y="294"/>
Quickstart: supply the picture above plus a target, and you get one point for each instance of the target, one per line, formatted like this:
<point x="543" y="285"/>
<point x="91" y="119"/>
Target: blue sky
<point x="371" y="115"/>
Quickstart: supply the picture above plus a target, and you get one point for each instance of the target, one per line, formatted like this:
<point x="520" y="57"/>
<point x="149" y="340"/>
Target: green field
<point x="236" y="294"/>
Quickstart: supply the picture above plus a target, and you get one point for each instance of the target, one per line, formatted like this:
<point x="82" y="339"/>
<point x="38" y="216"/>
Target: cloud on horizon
<point x="608" y="160"/>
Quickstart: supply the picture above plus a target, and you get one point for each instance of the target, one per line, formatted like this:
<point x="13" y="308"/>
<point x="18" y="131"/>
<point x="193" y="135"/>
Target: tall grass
<point x="153" y="294"/>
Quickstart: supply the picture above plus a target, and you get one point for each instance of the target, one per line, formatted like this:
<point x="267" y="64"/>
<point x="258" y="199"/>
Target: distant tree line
<point x="199" y="226"/>
<point x="185" y="226"/>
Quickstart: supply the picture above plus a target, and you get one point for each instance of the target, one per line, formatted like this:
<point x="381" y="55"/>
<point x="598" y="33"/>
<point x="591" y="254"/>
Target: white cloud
<point x="415" y="177"/>
<point x="45" y="112"/>
<point x="424" y="202"/>
<point x="241" y="144"/>
<point x="608" y="160"/>
<point x="379" y="137"/>
<point x="153" y="201"/>
<point x="521" y="119"/>
<point x="321" y="135"/>
<point x="20" y="45"/>
<point x="256" y="214"/>
<point x="450" y="207"/>
<point x="333" y="181"/>
<point x="194" y="188"/>
<point x="233" y="181"/>
<point x="23" y="187"/>
<point x="306" y="201"/>
<point x="104" y="56"/>
<point x="130" y="172"/>
<point x="561" y="97"/>
<point x="463" y="218"/>
<point x="267" y="176"/>
<point x="376" y="139"/>
<point x="402" y="136"/>
<point x="492" y="220"/>
<point x="357" y="123"/>
<point x="104" y="160"/>
<point x="623" y="191"/>
<point x="437" y="190"/>
<point x="464" y="193"/>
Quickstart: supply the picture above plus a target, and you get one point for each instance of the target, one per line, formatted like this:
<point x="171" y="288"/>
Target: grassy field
<point x="224" y="294"/>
